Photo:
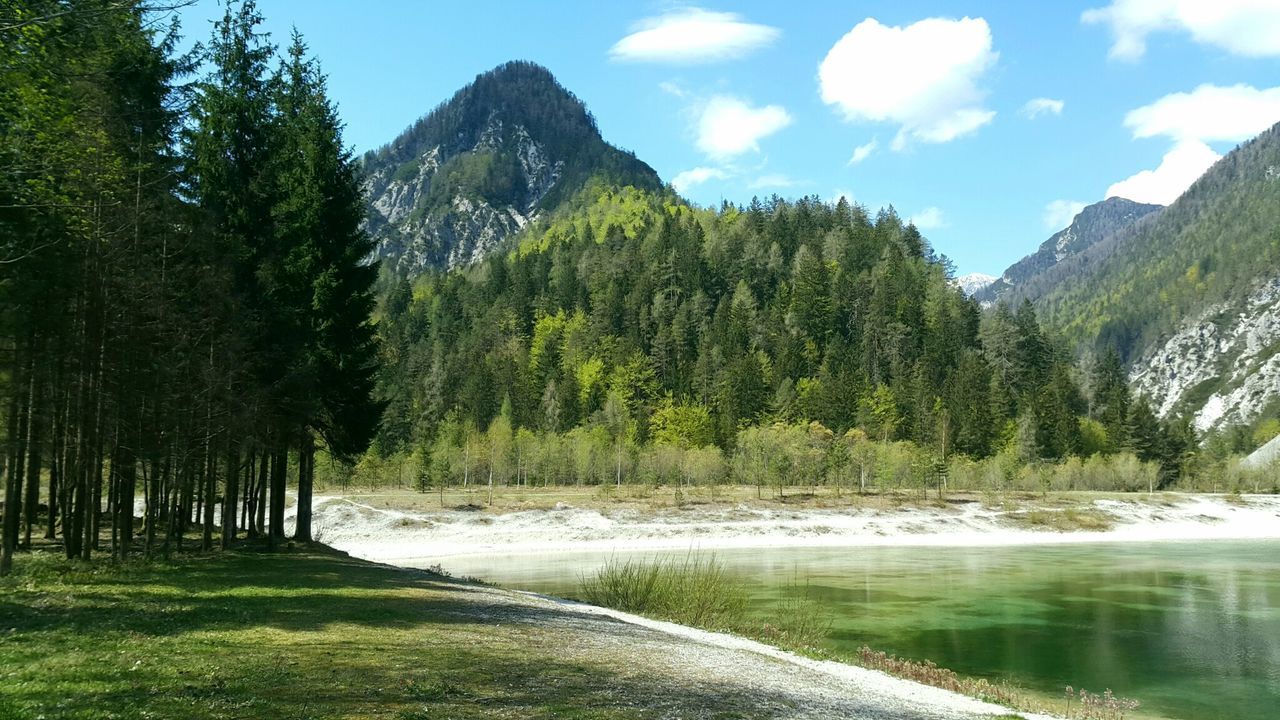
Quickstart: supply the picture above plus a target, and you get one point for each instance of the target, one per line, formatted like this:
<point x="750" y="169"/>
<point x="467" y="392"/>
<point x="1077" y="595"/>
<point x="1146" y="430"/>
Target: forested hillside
<point x="1213" y="244"/>
<point x="184" y="297"/>
<point x="509" y="147"/>
<point x="635" y="324"/>
<point x="1188" y="297"/>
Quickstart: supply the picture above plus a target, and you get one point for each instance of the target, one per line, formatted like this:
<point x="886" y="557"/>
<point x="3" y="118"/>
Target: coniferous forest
<point x="185" y="286"/>
<point x="637" y="338"/>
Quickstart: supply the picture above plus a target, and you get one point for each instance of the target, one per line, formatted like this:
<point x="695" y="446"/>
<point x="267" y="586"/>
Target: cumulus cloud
<point x="923" y="77"/>
<point x="862" y="152"/>
<point x="1209" y="113"/>
<point x="729" y="127"/>
<point x="928" y="219"/>
<point x="1036" y="107"/>
<point x="772" y="180"/>
<point x="1243" y="27"/>
<point x="692" y="35"/>
<point x="1179" y="168"/>
<point x="689" y="179"/>
<point x="1059" y="213"/>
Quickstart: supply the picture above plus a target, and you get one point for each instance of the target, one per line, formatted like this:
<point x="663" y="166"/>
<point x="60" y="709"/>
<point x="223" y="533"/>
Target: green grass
<point x="694" y="591"/>
<point x="699" y="591"/>
<point x="306" y="635"/>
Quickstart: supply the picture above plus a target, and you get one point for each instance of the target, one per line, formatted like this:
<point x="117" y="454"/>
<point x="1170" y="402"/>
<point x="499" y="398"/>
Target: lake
<point x="1192" y="630"/>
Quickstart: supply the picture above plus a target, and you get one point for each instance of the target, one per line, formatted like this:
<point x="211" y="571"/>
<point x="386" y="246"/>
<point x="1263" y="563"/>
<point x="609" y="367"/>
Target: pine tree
<point x="1110" y="395"/>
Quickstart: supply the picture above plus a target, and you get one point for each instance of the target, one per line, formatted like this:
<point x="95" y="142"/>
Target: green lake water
<point x="1192" y="630"/>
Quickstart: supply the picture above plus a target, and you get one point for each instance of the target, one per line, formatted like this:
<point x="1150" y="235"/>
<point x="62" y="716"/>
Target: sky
<point x="988" y="123"/>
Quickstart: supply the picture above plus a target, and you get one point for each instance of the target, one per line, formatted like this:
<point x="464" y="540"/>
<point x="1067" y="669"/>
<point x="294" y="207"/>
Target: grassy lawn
<point x="304" y="634"/>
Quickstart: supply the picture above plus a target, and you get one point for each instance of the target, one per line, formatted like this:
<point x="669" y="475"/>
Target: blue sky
<point x="756" y="98"/>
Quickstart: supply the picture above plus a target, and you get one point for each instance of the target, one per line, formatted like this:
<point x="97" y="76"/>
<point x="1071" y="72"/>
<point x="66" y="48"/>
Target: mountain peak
<point x="505" y="150"/>
<point x="974" y="282"/>
<point x="1090" y="226"/>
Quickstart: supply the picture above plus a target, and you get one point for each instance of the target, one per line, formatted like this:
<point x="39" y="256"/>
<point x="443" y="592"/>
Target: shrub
<point x="693" y="591"/>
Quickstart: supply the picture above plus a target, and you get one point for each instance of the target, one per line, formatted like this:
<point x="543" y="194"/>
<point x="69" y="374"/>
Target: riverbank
<point x="312" y="633"/>
<point x="396" y="527"/>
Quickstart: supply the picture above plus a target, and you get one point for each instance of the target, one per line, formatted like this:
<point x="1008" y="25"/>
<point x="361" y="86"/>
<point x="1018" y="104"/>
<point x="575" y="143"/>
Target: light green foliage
<point x="684" y="425"/>
<point x="1265" y="431"/>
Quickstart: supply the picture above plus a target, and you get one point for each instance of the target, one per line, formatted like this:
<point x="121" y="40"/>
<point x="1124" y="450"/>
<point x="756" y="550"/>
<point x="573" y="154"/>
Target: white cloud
<point x="772" y="180"/>
<point x="1242" y="27"/>
<point x="928" y="219"/>
<point x="729" y="127"/>
<point x="862" y="152"/>
<point x="1059" y="213"/>
<point x="1179" y="168"/>
<point x="923" y="77"/>
<point x="692" y="35"/>
<point x="673" y="88"/>
<point x="1209" y="113"/>
<point x="1036" y="107"/>
<point x="688" y="179"/>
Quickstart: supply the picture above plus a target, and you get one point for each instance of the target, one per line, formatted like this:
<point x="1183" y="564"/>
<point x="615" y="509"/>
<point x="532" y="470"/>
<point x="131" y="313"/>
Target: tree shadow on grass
<point x="295" y="592"/>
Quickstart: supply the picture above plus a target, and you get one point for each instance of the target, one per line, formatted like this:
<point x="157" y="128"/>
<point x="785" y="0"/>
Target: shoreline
<point x="884" y="686"/>
<point x="390" y="535"/>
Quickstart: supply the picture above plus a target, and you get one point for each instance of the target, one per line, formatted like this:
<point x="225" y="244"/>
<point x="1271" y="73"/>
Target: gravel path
<point x="680" y="672"/>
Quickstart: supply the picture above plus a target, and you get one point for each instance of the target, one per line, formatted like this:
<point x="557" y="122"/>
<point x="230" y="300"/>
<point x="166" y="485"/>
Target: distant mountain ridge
<point x="1089" y="227"/>
<point x="502" y="152"/>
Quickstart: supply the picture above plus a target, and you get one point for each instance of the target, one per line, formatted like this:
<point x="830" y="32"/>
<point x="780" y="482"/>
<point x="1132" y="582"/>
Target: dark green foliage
<point x="184" y="290"/>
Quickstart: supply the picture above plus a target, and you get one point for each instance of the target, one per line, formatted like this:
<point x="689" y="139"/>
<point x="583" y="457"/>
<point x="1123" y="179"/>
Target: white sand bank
<point x="390" y="535"/>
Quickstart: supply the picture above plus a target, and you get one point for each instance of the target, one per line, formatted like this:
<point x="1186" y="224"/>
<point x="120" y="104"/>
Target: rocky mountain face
<point x="506" y="150"/>
<point x="1189" y="296"/>
<point x="1092" y="225"/>
<point x="1223" y="365"/>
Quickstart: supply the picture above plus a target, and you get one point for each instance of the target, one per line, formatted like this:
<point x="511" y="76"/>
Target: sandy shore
<point x="388" y="534"/>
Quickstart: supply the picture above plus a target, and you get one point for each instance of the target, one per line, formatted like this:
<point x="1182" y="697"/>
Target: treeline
<point x="184" y="296"/>
<point x="777" y="459"/>
<point x="635" y="322"/>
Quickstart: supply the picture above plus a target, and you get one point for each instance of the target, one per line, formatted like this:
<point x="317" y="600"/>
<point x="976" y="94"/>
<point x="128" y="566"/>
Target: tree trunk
<point x="125" y="467"/>
<point x="260" y="505"/>
<point x="230" y="494"/>
<point x="250" y="495"/>
<point x="210" y="497"/>
<point x="306" y="478"/>
<point x="279" y="468"/>
<point x="34" y="440"/>
<point x="10" y="507"/>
